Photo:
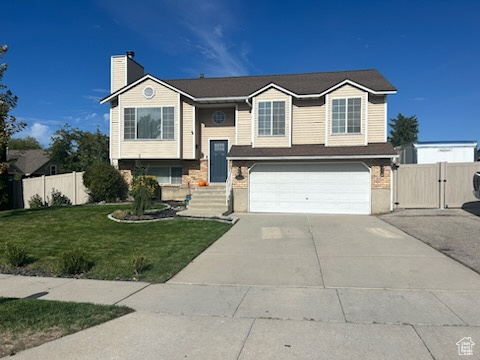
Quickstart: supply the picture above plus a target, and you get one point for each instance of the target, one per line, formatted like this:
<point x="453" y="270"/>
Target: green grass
<point x="169" y="245"/>
<point x="29" y="322"/>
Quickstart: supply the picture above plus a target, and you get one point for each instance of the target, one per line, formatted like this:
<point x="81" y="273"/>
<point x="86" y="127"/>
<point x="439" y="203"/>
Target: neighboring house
<point x="313" y="143"/>
<point x="432" y="152"/>
<point x="30" y="163"/>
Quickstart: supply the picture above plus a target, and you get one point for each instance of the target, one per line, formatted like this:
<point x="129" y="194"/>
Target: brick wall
<point x="379" y="181"/>
<point x="244" y="166"/>
<point x="194" y="171"/>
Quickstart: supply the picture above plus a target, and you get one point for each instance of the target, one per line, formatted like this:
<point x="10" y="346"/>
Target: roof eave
<point x="321" y="157"/>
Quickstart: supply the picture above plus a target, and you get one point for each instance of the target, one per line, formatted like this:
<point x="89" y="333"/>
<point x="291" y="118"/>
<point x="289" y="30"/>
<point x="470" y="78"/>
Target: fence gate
<point x="416" y="186"/>
<point x="440" y="185"/>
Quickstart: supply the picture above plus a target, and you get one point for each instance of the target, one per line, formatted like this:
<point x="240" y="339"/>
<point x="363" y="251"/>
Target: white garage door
<point x="323" y="188"/>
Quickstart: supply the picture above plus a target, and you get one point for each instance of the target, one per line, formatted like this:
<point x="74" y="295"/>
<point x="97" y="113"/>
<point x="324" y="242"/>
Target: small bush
<point x="104" y="183"/>
<point x="58" y="199"/>
<point x="139" y="263"/>
<point x="147" y="182"/>
<point x="36" y="202"/>
<point x="121" y="214"/>
<point x="15" y="255"/>
<point x="73" y="262"/>
<point x="143" y="190"/>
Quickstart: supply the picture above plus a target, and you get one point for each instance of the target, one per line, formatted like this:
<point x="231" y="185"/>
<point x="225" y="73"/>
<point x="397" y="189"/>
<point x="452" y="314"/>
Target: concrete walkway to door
<point x="283" y="287"/>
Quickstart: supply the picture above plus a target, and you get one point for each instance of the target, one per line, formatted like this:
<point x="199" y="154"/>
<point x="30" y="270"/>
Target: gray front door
<point x="218" y="160"/>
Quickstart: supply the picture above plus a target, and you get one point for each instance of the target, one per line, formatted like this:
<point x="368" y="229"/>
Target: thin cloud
<point x="102" y="91"/>
<point x="106" y="117"/>
<point x="202" y="28"/>
<point x="93" y="98"/>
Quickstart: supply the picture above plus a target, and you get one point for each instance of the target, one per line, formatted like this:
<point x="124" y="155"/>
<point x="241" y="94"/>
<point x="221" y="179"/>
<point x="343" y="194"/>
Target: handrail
<point x="228" y="187"/>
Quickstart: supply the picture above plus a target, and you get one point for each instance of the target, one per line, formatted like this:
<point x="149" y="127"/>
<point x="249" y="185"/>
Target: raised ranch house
<point x="314" y="142"/>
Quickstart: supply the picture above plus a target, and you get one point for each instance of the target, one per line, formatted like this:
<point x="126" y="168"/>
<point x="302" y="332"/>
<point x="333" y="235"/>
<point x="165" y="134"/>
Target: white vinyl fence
<point x="70" y="185"/>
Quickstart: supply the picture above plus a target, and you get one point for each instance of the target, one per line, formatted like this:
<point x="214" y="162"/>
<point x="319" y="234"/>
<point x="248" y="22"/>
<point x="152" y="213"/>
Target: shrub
<point x="37" y="202"/>
<point x="148" y="182"/>
<point x="104" y="183"/>
<point x="73" y="262"/>
<point x="15" y="255"/>
<point x="58" y="199"/>
<point x="139" y="263"/>
<point x="143" y="190"/>
<point x="121" y="214"/>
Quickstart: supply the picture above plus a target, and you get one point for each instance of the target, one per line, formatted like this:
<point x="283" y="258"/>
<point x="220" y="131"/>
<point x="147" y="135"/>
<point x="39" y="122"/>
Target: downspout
<point x="248" y="103"/>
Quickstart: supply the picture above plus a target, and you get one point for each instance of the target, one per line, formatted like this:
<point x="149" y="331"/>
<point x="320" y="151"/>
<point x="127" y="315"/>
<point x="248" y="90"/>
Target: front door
<point x="218" y="160"/>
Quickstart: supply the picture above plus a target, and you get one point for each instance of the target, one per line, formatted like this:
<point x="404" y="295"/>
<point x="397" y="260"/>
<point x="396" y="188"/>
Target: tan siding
<point x="114" y="133"/>
<point x="155" y="149"/>
<point x="118" y="72"/>
<point x="187" y="138"/>
<point x="210" y="130"/>
<point x="376" y="119"/>
<point x="346" y="139"/>
<point x="244" y="121"/>
<point x="308" y="122"/>
<point x="273" y="141"/>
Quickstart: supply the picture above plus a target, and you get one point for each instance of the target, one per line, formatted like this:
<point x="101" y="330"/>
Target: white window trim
<point x="136" y="117"/>
<point x="169" y="172"/>
<point x="271" y="118"/>
<point x="219" y="112"/>
<point x="148" y="87"/>
<point x="346" y="115"/>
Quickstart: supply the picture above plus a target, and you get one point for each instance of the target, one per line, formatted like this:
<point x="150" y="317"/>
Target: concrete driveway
<point x="324" y="251"/>
<point x="283" y="287"/>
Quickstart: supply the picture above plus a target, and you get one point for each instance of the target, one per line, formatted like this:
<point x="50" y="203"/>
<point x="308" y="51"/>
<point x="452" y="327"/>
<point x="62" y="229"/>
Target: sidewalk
<point x="178" y="321"/>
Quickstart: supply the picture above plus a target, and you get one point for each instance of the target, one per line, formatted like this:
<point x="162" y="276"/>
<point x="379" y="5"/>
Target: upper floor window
<point x="149" y="123"/>
<point x="218" y="117"/>
<point x="346" y="116"/>
<point x="271" y="118"/>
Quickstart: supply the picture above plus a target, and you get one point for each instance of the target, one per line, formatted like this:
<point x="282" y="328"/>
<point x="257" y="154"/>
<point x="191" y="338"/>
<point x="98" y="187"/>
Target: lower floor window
<point x="166" y="174"/>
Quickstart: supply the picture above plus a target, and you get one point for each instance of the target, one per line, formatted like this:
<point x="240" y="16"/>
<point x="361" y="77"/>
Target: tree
<point x="26" y="143"/>
<point x="75" y="150"/>
<point x="8" y="126"/>
<point x="404" y="130"/>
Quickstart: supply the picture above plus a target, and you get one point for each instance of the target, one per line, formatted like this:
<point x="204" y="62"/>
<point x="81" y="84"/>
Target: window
<point x="218" y="117"/>
<point x="149" y="123"/>
<point x="271" y="118"/>
<point x="166" y="175"/>
<point x="53" y="169"/>
<point x="346" y="116"/>
<point x="148" y="92"/>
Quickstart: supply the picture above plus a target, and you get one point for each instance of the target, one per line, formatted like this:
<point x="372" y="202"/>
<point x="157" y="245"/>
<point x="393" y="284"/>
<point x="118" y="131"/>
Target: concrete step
<point x="210" y="201"/>
<point x="207" y="197"/>
<point x="200" y="213"/>
<point x="208" y="191"/>
<point x="205" y="207"/>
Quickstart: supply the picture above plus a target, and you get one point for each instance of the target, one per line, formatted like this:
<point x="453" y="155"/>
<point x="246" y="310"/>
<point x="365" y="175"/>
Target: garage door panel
<point x="315" y="188"/>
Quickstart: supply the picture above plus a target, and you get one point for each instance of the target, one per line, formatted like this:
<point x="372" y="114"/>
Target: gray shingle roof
<point x="301" y="84"/>
<point x="28" y="161"/>
<point x="375" y="149"/>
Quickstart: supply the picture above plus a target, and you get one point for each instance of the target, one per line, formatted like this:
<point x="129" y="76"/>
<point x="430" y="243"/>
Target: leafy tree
<point x="76" y="150"/>
<point x="26" y="143"/>
<point x="404" y="130"/>
<point x="8" y="127"/>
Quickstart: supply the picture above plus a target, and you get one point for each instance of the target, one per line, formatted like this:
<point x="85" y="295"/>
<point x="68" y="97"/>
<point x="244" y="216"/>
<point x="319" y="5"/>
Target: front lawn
<point x="25" y="323"/>
<point x="169" y="245"/>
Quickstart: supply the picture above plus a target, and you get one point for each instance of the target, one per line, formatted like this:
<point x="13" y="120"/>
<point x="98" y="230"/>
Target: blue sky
<point x="59" y="52"/>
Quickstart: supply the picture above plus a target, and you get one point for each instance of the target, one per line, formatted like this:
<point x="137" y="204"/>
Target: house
<point x="313" y="142"/>
<point x="465" y="346"/>
<point x="432" y="152"/>
<point x="30" y="163"/>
